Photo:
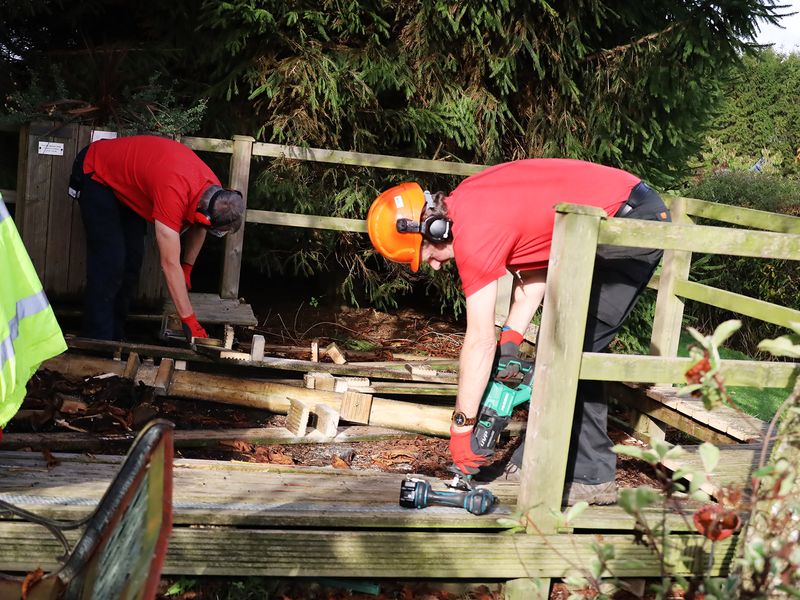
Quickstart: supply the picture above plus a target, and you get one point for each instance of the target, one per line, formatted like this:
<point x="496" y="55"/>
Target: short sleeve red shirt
<point x="503" y="217"/>
<point x="158" y="178"/>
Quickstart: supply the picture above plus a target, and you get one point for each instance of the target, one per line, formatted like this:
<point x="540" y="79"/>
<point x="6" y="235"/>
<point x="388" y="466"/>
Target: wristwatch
<point x="462" y="420"/>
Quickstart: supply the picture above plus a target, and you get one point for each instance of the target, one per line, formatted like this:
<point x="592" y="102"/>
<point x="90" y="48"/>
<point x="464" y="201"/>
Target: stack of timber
<point x="327" y="394"/>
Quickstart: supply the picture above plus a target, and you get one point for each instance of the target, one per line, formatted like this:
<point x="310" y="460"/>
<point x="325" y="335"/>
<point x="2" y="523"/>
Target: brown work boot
<point x="602" y="493"/>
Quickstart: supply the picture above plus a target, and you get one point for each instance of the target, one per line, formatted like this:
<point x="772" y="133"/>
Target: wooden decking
<point x="723" y="425"/>
<point x="263" y="519"/>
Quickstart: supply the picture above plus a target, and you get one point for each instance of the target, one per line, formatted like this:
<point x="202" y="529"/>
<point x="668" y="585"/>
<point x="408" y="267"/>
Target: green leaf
<point x="701" y="339"/>
<point x="575" y="511"/>
<point x="634" y="500"/>
<point x="785" y="345"/>
<point x="764" y="471"/>
<point x="724" y="331"/>
<point x="709" y="454"/>
<point x="699" y="496"/>
<point x="625" y="450"/>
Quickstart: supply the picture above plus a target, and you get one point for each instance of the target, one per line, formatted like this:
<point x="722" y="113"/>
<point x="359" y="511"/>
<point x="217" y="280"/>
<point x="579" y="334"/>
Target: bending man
<point x="123" y="183"/>
<point x="502" y="219"/>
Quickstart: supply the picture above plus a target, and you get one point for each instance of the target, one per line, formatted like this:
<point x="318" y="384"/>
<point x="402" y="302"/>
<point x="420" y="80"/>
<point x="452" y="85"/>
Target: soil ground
<point x="115" y="405"/>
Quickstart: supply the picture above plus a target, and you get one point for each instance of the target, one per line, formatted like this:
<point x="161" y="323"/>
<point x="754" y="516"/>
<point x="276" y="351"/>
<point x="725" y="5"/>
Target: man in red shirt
<point x="502" y="219"/>
<point x="123" y="183"/>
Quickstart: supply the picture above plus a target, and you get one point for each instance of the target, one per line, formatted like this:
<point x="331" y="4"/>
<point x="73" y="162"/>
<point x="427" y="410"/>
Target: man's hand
<point x="187" y="274"/>
<point x="463" y="450"/>
<point x="508" y="349"/>
<point x="191" y="328"/>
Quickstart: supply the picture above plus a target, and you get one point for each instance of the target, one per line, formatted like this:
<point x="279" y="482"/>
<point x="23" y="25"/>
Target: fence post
<point x="239" y="180"/>
<point x="669" y="307"/>
<point x="558" y="363"/>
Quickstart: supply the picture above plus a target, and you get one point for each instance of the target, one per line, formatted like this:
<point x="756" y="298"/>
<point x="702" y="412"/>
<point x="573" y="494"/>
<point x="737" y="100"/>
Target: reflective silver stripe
<point x="26" y="307"/>
<point x="3" y="211"/>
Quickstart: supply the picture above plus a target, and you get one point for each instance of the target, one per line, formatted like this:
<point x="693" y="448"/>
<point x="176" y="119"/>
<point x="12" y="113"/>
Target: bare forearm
<point x="176" y="285"/>
<point x="526" y="298"/>
<point x="192" y="243"/>
<point x="475" y="365"/>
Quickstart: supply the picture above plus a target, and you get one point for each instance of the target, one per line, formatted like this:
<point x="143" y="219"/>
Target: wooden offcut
<point x="356" y="407"/>
<point x="257" y="348"/>
<point x="327" y="422"/>
<point x="333" y="352"/>
<point x="297" y="417"/>
<point x="164" y="376"/>
<point x="132" y="366"/>
<point x="317" y="380"/>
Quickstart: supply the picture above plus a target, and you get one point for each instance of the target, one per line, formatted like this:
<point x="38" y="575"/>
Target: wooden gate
<point x="49" y="220"/>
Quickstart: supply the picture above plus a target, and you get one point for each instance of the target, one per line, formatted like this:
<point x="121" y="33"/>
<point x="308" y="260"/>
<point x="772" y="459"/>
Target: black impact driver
<point x="417" y="493"/>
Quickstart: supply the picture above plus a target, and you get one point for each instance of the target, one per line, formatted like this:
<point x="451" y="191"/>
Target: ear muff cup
<point x="436" y="229"/>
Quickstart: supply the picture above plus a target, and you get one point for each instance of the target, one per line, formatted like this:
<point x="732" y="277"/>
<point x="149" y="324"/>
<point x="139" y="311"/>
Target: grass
<point x="756" y="402"/>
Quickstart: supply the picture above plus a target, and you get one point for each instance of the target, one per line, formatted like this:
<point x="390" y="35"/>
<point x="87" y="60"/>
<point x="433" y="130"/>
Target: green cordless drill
<point x="500" y="398"/>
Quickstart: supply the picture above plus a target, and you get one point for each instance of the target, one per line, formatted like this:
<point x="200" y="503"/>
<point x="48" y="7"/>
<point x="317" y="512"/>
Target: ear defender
<point x="435" y="229"/>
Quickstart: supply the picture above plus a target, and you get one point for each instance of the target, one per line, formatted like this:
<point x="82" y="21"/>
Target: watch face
<point x="460" y="419"/>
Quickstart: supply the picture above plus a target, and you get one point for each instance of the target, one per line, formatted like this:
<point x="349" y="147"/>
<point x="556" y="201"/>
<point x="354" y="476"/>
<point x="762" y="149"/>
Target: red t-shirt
<point x="158" y="178"/>
<point x="503" y="217"/>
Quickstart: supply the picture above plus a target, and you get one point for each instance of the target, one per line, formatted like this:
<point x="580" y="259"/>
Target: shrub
<point x="775" y="281"/>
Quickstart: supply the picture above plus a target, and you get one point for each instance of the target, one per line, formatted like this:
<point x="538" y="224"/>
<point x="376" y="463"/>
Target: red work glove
<point x="462" y="450"/>
<point x="187" y="274"/>
<point x="191" y="328"/>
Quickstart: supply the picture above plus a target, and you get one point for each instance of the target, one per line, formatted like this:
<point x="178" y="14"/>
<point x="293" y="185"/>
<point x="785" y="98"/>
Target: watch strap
<point x="461" y="420"/>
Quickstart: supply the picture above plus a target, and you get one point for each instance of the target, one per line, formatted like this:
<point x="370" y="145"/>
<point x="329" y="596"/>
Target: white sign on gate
<point x="51" y="148"/>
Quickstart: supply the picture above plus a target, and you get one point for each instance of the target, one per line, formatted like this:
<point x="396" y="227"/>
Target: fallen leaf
<point x="51" y="460"/>
<point x="279" y="458"/>
<point x="31" y="579"/>
<point x="339" y="463"/>
<point x="238" y="445"/>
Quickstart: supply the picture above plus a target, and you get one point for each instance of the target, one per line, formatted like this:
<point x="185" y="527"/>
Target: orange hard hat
<point x="404" y="201"/>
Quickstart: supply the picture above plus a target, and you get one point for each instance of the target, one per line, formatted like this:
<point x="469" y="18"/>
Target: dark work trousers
<point x="114" y="251"/>
<point x="620" y="276"/>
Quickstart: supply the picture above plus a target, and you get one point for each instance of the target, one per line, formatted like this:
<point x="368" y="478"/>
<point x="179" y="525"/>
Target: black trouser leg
<point x="620" y="276"/>
<point x="107" y="239"/>
<point x="134" y="229"/>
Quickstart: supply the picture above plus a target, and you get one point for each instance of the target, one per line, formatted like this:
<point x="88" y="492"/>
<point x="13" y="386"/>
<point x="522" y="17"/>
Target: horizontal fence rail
<point x="737" y="215"/>
<point x="339" y="157"/>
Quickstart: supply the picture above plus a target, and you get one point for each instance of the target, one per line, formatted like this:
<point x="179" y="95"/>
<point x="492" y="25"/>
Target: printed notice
<point x="98" y="134"/>
<point x="51" y="148"/>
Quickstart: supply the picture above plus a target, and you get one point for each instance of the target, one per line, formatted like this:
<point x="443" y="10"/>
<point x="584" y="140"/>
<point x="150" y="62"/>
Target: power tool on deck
<point x="418" y="493"/>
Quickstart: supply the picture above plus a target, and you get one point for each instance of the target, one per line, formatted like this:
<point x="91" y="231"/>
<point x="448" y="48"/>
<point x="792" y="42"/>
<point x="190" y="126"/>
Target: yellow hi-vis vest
<point x="29" y="332"/>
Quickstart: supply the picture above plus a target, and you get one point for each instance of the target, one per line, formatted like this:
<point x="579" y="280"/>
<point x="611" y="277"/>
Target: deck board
<point x="235" y="518"/>
<point x="208" y="492"/>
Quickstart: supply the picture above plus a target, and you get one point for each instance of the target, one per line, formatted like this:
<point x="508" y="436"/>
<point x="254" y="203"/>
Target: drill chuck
<point x="417" y="493"/>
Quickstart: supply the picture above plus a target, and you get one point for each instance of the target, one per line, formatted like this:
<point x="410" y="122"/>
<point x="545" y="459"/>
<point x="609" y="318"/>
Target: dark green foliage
<point x="776" y="281"/>
<point x="751" y="190"/>
<point x="629" y="85"/>
<point x="760" y="115"/>
<point x="625" y="84"/>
